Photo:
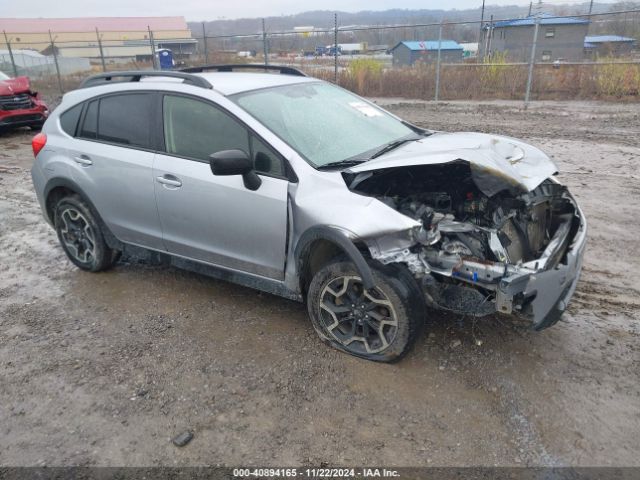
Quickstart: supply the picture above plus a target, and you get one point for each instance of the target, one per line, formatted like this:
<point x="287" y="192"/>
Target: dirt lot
<point x="102" y="369"/>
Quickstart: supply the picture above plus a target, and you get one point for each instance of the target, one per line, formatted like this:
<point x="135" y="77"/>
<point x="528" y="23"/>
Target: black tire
<point x="400" y="325"/>
<point x="81" y="237"/>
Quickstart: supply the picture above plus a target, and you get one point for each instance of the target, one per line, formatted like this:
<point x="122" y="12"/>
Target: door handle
<point x="83" y="160"/>
<point x="169" y="180"/>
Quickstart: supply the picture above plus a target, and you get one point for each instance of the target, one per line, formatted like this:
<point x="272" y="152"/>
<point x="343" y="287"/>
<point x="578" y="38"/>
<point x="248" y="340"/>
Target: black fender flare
<point x="66" y="183"/>
<point x="56" y="182"/>
<point x="337" y="236"/>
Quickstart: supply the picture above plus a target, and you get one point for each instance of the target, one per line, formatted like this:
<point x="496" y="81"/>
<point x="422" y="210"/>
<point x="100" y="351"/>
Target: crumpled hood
<point x="14" y="85"/>
<point x="496" y="162"/>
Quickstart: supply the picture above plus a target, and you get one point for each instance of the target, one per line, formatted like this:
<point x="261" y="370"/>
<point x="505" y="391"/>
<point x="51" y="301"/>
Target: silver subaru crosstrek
<point x="296" y="187"/>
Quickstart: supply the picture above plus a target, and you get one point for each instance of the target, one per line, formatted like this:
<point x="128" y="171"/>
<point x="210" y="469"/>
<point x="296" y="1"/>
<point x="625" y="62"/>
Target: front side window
<point x="265" y="160"/>
<point x="196" y="129"/>
<point x="322" y="122"/>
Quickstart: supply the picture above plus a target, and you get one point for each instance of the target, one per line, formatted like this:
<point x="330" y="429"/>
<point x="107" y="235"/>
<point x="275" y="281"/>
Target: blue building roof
<point x="545" y="19"/>
<point x="606" y="39"/>
<point x="430" y="45"/>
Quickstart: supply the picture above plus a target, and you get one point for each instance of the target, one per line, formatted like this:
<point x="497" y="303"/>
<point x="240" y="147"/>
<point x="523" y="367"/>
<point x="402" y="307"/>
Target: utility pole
<point x="481" y="22"/>
<point x="265" y="47"/>
<point x="153" y="48"/>
<point x="104" y="67"/>
<point x="335" y="48"/>
<point x="532" y="61"/>
<point x="13" y="62"/>
<point x="437" y="94"/>
<point x="55" y="60"/>
<point x="487" y="42"/>
<point x="531" y="6"/>
<point x="589" y="17"/>
<point x="204" y="41"/>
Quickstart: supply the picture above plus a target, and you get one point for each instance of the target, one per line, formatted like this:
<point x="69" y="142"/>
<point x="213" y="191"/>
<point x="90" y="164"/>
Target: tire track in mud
<point x="603" y="296"/>
<point x="530" y="445"/>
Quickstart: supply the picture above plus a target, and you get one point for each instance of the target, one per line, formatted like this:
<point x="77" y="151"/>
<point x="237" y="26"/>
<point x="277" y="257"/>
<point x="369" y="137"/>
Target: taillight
<point x="38" y="143"/>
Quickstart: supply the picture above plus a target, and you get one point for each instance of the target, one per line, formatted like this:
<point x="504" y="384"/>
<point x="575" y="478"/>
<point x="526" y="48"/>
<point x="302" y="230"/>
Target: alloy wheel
<point x="77" y="235"/>
<point x="363" y="321"/>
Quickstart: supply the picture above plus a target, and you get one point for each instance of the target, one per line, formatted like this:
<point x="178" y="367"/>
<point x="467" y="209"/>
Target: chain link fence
<point x="587" y="56"/>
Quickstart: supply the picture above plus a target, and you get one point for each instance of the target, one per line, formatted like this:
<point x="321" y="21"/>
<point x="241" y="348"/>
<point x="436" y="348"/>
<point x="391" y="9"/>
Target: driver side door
<point x="216" y="219"/>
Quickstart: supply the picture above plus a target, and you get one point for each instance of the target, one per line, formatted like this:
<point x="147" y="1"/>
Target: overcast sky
<point x="195" y="10"/>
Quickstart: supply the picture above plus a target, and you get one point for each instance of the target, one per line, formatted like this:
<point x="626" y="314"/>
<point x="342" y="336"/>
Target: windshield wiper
<point x="347" y="162"/>
<point x="393" y="145"/>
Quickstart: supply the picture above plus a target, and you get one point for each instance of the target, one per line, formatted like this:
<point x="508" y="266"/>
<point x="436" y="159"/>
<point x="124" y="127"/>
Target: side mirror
<point x="235" y="162"/>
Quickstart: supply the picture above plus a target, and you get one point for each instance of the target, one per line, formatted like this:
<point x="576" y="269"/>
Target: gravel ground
<point x="103" y="369"/>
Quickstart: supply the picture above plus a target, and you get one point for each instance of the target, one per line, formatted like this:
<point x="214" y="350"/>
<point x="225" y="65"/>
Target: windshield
<point x="322" y="122"/>
<point x="4" y="76"/>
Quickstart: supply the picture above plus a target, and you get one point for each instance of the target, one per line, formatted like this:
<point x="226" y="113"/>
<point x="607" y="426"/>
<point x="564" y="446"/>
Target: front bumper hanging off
<point x="545" y="293"/>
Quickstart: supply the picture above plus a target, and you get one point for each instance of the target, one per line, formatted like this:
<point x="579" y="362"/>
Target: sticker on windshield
<point x="365" y="109"/>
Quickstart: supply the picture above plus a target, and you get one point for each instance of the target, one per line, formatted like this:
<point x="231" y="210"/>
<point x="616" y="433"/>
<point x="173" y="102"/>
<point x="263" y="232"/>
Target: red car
<point x="19" y="105"/>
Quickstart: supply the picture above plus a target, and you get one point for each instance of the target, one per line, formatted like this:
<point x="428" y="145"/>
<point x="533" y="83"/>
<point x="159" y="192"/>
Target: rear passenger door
<point x="112" y="161"/>
<point x="216" y="219"/>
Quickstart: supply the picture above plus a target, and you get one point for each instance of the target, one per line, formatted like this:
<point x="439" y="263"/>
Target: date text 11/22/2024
<point x="310" y="473"/>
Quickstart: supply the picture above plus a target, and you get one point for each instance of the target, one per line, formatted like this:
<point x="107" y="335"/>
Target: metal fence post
<point x="104" y="67"/>
<point x="153" y="48"/>
<point x="55" y="60"/>
<point x="335" y="48"/>
<point x="437" y="95"/>
<point x="204" y="41"/>
<point x="13" y="62"/>
<point x="532" y="61"/>
<point x="265" y="46"/>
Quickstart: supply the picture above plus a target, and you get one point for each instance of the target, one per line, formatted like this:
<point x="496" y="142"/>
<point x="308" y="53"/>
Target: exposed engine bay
<point x="470" y="242"/>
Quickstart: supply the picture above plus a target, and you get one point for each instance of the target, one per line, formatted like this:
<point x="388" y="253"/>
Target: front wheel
<point x="80" y="235"/>
<point x="380" y="324"/>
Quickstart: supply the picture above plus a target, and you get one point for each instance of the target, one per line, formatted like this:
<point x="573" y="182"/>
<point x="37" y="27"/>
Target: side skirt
<point x="267" y="285"/>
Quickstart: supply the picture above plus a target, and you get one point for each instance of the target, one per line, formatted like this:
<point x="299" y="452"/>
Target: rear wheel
<point x="379" y="324"/>
<point x="80" y="235"/>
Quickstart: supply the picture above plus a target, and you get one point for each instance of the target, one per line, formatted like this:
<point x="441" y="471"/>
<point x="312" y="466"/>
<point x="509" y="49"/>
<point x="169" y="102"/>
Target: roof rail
<point x="136" y="75"/>
<point x="283" y="69"/>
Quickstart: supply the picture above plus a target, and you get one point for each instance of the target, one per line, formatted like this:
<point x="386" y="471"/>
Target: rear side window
<point x="69" y="120"/>
<point x="123" y="119"/>
<point x="126" y="119"/>
<point x="90" y="124"/>
<point x="196" y="129"/>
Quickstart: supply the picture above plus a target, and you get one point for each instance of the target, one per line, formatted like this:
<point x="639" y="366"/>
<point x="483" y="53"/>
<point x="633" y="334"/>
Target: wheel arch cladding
<point x="317" y="245"/>
<point x="58" y="188"/>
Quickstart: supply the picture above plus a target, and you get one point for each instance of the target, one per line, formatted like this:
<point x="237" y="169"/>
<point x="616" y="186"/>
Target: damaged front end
<point x="483" y="243"/>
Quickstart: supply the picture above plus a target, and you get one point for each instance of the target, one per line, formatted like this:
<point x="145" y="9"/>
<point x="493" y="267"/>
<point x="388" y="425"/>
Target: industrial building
<point x="608" y="45"/>
<point x="426" y="51"/>
<point x="122" y="38"/>
<point x="558" y="37"/>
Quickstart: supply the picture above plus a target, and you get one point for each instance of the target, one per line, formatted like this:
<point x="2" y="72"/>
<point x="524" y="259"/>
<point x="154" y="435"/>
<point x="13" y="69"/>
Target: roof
<point x="430" y="45"/>
<point x="545" y="19"/>
<point x="230" y="83"/>
<point x="606" y="39"/>
<point x="89" y="24"/>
